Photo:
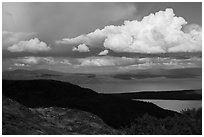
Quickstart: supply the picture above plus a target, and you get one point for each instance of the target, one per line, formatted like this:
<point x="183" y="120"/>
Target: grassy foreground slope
<point x="20" y="120"/>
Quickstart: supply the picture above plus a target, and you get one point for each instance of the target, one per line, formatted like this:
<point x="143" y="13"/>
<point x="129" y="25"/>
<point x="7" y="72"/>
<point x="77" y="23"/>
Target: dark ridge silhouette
<point x="164" y="95"/>
<point x="114" y="111"/>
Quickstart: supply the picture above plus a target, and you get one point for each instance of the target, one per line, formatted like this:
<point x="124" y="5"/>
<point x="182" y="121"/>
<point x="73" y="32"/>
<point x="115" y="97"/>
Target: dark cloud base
<point x="94" y="52"/>
<point x="179" y="55"/>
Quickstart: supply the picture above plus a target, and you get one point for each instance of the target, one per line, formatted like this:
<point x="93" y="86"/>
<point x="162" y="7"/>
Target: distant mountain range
<point x="18" y="73"/>
<point x="39" y="73"/>
<point x="113" y="110"/>
<point x="131" y="75"/>
<point x="22" y="74"/>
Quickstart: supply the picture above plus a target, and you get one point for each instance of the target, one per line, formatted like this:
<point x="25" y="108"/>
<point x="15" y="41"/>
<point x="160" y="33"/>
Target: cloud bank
<point x="105" y="61"/>
<point x="32" y="60"/>
<point x="156" y="33"/>
<point x="118" y="63"/>
<point x="33" y="46"/>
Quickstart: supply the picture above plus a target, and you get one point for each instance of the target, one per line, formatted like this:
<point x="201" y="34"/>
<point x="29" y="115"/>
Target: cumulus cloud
<point x="102" y="53"/>
<point x="81" y="48"/>
<point x="156" y="33"/>
<point x="106" y="61"/>
<point x="31" y="60"/>
<point x="11" y="38"/>
<point x="104" y="64"/>
<point x="65" y="62"/>
<point x="33" y="45"/>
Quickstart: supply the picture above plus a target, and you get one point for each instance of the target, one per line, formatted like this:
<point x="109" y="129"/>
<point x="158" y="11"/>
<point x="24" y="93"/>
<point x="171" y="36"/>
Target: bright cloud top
<point x="33" y="46"/>
<point x="156" y="33"/>
<point x="81" y="48"/>
<point x="11" y="38"/>
<point x="102" y="53"/>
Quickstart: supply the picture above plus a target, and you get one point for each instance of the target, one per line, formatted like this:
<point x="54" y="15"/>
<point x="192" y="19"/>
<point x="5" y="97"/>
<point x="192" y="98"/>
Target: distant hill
<point x="139" y="74"/>
<point x="22" y="74"/>
<point x="114" y="111"/>
<point x="39" y="73"/>
<point x="20" y="120"/>
<point x="166" y="73"/>
<point x="164" y="95"/>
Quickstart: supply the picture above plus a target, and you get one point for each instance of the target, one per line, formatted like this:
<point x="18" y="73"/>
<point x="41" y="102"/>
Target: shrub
<point x="190" y="123"/>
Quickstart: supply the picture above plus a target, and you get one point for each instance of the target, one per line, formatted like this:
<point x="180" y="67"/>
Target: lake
<point x="176" y="105"/>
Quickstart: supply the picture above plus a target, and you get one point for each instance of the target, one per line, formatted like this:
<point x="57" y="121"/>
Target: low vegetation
<point x="188" y="124"/>
<point x="20" y="120"/>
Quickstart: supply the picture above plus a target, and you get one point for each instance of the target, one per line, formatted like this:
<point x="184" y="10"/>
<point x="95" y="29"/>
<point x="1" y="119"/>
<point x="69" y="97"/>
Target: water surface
<point x="176" y="105"/>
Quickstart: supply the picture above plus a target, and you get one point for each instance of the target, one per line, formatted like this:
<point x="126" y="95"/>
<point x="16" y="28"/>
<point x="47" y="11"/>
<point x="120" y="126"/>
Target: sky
<point x="102" y="38"/>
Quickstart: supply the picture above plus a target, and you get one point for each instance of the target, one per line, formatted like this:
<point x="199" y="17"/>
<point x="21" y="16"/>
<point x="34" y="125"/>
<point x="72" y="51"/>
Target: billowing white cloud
<point x="81" y="48"/>
<point x="156" y="33"/>
<point x="33" y="45"/>
<point x="11" y="38"/>
<point x="102" y="53"/>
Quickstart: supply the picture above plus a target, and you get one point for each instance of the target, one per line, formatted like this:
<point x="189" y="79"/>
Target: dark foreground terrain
<point x="114" y="111"/>
<point x="20" y="120"/>
<point x="54" y="107"/>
